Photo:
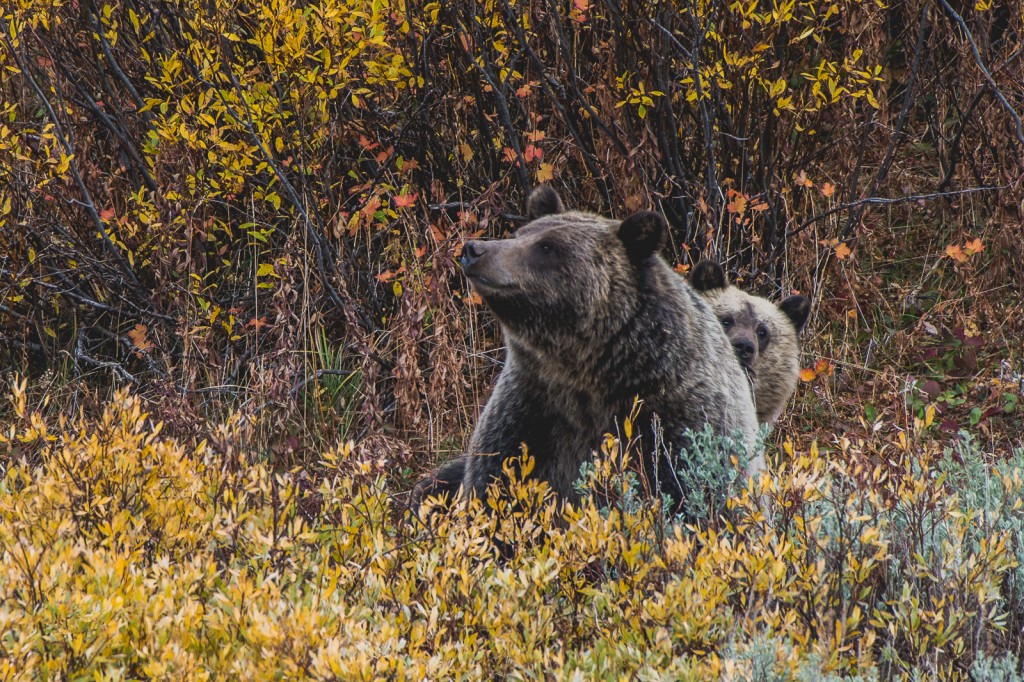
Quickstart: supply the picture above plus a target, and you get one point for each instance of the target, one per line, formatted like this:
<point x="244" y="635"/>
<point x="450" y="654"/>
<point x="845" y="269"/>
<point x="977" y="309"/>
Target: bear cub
<point x="592" y="317"/>
<point x="763" y="335"/>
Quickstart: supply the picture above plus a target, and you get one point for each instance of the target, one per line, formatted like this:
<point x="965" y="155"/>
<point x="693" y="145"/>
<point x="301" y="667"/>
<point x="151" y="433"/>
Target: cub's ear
<point x="643" y="233"/>
<point x="708" y="275"/>
<point x="796" y="308"/>
<point x="543" y="201"/>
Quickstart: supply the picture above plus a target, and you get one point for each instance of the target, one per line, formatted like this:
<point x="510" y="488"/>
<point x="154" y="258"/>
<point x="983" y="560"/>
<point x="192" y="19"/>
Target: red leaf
<point x="405" y="200"/>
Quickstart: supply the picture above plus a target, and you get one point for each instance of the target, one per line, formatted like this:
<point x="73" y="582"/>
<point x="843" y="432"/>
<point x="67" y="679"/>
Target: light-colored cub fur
<point x="764" y="336"/>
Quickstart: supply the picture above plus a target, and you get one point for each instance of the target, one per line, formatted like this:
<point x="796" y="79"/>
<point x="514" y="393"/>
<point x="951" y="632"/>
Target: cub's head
<point x="564" y="272"/>
<point x="764" y="335"/>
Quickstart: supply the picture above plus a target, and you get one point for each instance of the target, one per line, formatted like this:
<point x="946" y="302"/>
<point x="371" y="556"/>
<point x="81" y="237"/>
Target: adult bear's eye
<point x="546" y="246"/>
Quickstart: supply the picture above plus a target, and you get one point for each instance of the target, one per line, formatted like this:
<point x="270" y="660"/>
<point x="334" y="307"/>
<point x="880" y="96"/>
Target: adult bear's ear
<point x="708" y="275"/>
<point x="543" y="201"/>
<point x="643" y="234"/>
<point x="796" y="308"/>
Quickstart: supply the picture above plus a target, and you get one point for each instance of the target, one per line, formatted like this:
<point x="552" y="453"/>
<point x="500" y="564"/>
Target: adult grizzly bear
<point x="764" y="336"/>
<point x="593" y="317"/>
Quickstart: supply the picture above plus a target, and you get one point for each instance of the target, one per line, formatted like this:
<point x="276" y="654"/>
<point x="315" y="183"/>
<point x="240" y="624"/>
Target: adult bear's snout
<point x="472" y="251"/>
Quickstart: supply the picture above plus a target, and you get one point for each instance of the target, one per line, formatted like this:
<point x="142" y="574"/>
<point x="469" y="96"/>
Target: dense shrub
<point x="247" y="215"/>
<point x="259" y="203"/>
<point x="125" y="554"/>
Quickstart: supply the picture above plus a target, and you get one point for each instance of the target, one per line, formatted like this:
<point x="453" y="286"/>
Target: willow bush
<point x="126" y="554"/>
<point x="249" y="199"/>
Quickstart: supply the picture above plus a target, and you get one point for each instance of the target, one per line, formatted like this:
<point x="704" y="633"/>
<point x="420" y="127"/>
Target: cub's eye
<point x="762" y="332"/>
<point x="727" y="322"/>
<point x="546" y="247"/>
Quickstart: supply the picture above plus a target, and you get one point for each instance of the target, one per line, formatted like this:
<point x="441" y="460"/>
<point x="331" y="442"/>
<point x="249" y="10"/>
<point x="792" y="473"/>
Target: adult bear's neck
<point x="603" y="347"/>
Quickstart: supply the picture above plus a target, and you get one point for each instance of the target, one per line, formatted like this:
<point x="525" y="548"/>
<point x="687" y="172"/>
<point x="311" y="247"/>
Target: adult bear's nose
<point x="745" y="351"/>
<point x="471" y="252"/>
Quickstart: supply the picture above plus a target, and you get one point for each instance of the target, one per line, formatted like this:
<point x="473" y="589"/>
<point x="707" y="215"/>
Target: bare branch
<point x="889" y="202"/>
<point x="90" y="207"/>
<point x="984" y="70"/>
<point x="81" y="356"/>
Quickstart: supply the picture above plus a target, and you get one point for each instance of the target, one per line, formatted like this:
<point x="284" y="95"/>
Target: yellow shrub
<point x="125" y="554"/>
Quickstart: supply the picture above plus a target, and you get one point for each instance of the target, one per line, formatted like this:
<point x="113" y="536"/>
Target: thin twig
<point x="140" y="104"/>
<point x="499" y="101"/>
<point x="984" y="70"/>
<point x="855" y="207"/>
<point x="908" y="100"/>
<point x="80" y="356"/>
<point x="69" y="149"/>
<point x="586" y="148"/>
<point x="299" y="385"/>
<point x="318" y="245"/>
<point x="887" y="201"/>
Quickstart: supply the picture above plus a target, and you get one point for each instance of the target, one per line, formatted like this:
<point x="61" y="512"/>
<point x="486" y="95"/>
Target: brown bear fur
<point x="592" y="317"/>
<point x="764" y="336"/>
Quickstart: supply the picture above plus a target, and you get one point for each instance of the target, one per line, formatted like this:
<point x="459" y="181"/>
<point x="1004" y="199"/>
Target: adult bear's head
<point x="564" y="272"/>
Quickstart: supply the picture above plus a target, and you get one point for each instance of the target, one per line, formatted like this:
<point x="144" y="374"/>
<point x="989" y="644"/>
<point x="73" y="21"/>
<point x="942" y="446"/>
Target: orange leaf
<point x="802" y="180"/>
<point x="842" y="251"/>
<point x="107" y="214"/>
<point x="956" y="253"/>
<point x="473" y="298"/>
<point x="974" y="247"/>
<point x="386" y="276"/>
<point x="139" y="339"/>
<point x="405" y="200"/>
<point x="737" y="205"/>
<point x="807" y="374"/>
<point x="371" y="207"/>
<point x="828" y="189"/>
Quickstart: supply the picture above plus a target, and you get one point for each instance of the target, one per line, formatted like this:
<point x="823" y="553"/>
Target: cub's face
<point x="763" y="335"/>
<point x="562" y="271"/>
<point x="752" y="323"/>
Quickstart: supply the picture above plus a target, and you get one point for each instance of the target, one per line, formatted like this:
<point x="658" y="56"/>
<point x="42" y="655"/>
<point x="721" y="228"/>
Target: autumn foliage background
<point x="242" y="219"/>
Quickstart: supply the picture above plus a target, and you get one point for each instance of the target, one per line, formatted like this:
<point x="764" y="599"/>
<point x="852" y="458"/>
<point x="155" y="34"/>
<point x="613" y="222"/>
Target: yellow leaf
<point x="545" y="173"/>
